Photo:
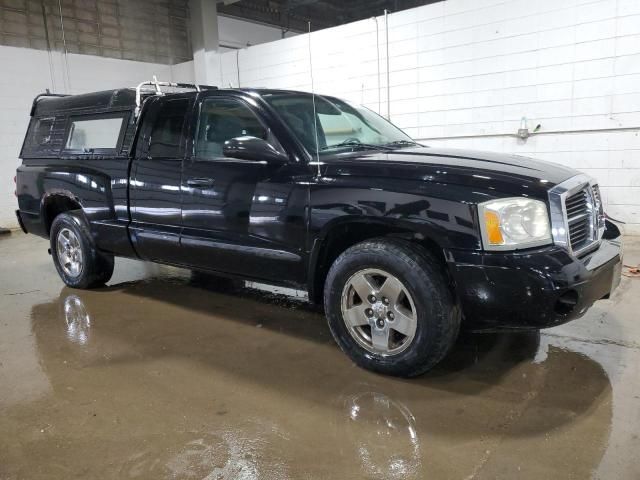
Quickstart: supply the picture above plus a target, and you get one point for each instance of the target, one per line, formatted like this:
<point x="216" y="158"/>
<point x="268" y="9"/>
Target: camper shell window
<point x="43" y="131"/>
<point x="95" y="133"/>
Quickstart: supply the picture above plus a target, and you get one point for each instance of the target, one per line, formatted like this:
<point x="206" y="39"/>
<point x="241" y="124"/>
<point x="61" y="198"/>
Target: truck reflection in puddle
<point x="149" y="380"/>
<point x="77" y="320"/>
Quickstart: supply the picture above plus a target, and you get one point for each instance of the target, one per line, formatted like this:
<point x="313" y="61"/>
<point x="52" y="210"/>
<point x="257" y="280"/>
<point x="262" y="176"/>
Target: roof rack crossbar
<point x="155" y="87"/>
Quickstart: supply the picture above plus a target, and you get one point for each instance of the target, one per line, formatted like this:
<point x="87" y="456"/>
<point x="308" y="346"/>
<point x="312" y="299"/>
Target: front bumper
<point x="533" y="289"/>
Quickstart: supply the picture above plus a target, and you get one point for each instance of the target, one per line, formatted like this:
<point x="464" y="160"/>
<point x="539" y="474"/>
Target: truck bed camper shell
<point x="53" y="115"/>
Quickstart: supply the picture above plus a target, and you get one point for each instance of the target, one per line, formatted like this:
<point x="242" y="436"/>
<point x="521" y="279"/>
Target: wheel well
<point x="345" y="236"/>
<point x="54" y="206"/>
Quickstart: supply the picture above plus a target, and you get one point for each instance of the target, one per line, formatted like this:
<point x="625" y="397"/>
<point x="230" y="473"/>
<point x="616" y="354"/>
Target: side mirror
<point x="253" y="148"/>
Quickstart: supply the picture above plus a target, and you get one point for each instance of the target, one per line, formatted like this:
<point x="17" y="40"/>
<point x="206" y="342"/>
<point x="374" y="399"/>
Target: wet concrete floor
<point x="162" y="375"/>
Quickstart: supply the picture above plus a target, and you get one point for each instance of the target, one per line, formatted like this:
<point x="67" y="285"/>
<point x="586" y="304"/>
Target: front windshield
<point x="340" y="125"/>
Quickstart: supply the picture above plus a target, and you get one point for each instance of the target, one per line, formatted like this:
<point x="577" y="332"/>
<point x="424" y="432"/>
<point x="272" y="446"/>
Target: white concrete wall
<point x="27" y="72"/>
<point x="461" y="70"/>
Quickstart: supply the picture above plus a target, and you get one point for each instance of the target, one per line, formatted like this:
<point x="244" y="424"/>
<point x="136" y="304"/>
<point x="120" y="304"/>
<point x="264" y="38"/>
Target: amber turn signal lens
<point x="492" y="222"/>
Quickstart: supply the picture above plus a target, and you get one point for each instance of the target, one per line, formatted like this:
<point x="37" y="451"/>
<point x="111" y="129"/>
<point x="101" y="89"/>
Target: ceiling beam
<point x="294" y="15"/>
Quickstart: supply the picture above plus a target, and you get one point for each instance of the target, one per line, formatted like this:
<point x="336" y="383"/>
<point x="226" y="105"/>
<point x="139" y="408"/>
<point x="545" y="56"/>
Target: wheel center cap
<point x="379" y="309"/>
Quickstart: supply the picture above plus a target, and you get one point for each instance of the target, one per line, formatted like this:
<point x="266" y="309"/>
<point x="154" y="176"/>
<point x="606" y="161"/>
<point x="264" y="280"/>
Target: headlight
<point x="514" y="223"/>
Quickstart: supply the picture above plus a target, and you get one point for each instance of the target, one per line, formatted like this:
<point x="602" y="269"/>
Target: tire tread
<point x="430" y="271"/>
<point x="98" y="266"/>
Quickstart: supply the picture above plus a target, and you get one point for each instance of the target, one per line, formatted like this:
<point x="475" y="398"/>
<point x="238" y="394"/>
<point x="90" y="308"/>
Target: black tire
<point x="96" y="267"/>
<point x="424" y="277"/>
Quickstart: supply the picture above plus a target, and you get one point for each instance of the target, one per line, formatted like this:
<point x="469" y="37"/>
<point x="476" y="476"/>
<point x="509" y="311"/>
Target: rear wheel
<point x="78" y="262"/>
<point x="390" y="308"/>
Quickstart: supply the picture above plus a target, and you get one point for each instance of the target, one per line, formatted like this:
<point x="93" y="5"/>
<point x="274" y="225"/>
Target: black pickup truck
<point x="403" y="243"/>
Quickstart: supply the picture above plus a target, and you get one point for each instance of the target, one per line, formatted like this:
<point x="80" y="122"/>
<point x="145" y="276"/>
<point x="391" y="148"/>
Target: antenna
<point x="313" y="99"/>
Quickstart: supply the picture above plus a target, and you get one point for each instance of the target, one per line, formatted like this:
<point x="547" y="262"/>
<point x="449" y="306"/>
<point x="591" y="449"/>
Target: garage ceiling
<point x="294" y="14"/>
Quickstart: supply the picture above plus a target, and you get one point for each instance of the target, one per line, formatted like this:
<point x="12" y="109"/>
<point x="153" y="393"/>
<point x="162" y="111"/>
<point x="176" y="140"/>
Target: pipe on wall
<point x="386" y="26"/>
<point x="375" y="19"/>
<point x="535" y="134"/>
<point x="67" y="76"/>
<point x="48" y="40"/>
<point x="238" y="65"/>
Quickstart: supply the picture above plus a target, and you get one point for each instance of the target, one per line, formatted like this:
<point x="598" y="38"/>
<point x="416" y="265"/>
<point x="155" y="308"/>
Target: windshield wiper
<point x="400" y="143"/>
<point x="353" y="143"/>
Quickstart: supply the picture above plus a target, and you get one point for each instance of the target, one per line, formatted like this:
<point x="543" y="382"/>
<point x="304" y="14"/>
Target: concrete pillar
<point x="204" y="40"/>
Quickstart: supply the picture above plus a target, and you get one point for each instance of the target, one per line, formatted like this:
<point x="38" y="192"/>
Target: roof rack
<point x="154" y="87"/>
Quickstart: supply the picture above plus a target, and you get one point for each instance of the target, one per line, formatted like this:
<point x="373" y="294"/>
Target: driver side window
<point x="222" y="119"/>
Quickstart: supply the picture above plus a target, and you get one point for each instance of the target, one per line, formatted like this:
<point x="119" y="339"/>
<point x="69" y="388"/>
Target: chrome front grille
<point x="579" y="219"/>
<point x="599" y="205"/>
<point x="577" y="215"/>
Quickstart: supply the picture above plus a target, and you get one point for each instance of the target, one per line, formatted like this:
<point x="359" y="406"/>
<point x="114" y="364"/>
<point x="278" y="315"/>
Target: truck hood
<point x="512" y="174"/>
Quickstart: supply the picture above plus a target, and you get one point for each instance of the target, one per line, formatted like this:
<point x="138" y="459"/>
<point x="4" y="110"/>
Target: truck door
<point x="155" y="179"/>
<point x="245" y="217"/>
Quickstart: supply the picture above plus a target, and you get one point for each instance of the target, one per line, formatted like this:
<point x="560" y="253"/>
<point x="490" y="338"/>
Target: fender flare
<point x="423" y="231"/>
<point x="49" y="195"/>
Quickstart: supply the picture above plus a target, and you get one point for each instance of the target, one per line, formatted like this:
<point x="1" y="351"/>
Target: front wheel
<point x="77" y="260"/>
<point x="390" y="308"/>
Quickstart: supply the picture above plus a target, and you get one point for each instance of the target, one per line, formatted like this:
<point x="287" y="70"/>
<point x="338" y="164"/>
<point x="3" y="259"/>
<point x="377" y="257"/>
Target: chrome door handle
<point x="200" y="182"/>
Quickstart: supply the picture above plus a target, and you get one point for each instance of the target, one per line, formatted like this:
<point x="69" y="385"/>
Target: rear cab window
<point x="166" y="138"/>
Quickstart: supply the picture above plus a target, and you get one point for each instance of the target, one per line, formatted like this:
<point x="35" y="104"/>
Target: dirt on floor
<point x="162" y="374"/>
